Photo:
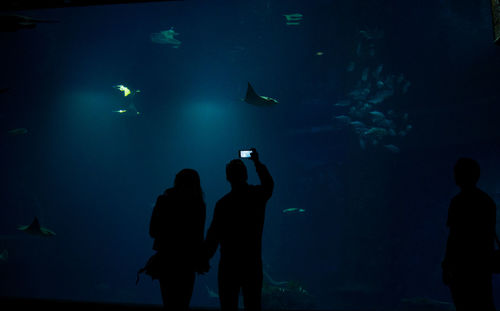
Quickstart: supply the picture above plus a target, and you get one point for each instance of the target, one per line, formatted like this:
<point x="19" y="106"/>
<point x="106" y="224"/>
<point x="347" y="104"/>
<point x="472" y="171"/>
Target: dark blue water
<point x="373" y="232"/>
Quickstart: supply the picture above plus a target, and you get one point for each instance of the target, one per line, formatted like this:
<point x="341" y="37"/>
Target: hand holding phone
<point x="246" y="153"/>
<point x="251" y="154"/>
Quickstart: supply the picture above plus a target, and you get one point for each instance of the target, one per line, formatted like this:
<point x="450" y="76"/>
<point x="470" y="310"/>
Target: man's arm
<point x="212" y="239"/>
<point x="266" y="180"/>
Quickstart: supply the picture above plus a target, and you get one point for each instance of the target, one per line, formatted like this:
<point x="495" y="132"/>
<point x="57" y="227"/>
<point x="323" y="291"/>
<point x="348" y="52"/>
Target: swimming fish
<point x="392" y="148"/>
<point x="11" y="23"/>
<point x="343" y="119"/>
<point x="211" y="293"/>
<point x="376" y="132"/>
<point x="293" y="210"/>
<point x="18" y="131"/>
<point x="120" y="111"/>
<point x="4" y="255"/>
<point x="357" y="124"/>
<point x="343" y="103"/>
<point x="253" y="99"/>
<point x="36" y="229"/>
<point x="166" y="37"/>
<point x="377" y="114"/>
<point x="293" y="17"/>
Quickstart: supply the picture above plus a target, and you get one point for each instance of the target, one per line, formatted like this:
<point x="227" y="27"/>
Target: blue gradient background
<point x="374" y="229"/>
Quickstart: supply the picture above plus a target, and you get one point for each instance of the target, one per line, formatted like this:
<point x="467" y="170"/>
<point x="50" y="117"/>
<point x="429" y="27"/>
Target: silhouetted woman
<point x="178" y="225"/>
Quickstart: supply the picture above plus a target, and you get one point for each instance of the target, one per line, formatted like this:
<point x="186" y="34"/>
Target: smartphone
<point x="245" y="154"/>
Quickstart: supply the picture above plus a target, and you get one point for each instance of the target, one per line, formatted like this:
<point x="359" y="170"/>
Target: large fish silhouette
<point x="253" y="99"/>
<point x="36" y="229"/>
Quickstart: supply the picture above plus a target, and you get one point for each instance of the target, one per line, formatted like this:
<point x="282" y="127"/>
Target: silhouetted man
<point x="237" y="226"/>
<point x="467" y="266"/>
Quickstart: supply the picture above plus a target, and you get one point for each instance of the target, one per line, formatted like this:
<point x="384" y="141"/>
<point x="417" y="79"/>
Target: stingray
<point x="253" y="99"/>
<point x="36" y="229"/>
<point x="166" y="37"/>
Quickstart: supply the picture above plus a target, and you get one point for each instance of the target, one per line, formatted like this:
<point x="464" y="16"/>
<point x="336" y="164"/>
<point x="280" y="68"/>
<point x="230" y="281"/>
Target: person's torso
<point x="241" y="222"/>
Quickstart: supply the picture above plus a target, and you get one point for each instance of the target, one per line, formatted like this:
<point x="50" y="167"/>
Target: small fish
<point x="293" y="17"/>
<point x="343" y="119"/>
<point x="343" y="103"/>
<point x="351" y="66"/>
<point x="377" y="71"/>
<point x="18" y="131"/>
<point x="364" y="75"/>
<point x="406" y="87"/>
<point x="381" y="96"/>
<point x="122" y="111"/>
<point x="35" y="229"/>
<point x="376" y="132"/>
<point x="357" y="124"/>
<point x="319" y="53"/>
<point x="292" y="23"/>
<point x="293" y="210"/>
<point x="360" y="94"/>
<point x="392" y="148"/>
<point x="211" y="293"/>
<point x="377" y="114"/>
<point x="362" y="144"/>
<point x="4" y="255"/>
<point x="358" y="49"/>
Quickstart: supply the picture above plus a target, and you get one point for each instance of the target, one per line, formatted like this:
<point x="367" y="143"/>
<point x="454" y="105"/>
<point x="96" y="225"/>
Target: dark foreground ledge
<point x="16" y="304"/>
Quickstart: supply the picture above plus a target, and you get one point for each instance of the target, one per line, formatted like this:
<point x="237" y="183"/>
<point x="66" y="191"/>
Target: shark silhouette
<point x="11" y="23"/>
<point x="36" y="229"/>
<point x="253" y="99"/>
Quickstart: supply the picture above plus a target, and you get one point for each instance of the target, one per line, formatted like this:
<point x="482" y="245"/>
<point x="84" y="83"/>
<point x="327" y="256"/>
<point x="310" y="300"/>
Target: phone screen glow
<point x="245" y="153"/>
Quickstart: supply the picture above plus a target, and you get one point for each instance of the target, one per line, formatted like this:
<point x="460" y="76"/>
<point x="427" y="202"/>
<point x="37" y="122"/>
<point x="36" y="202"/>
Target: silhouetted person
<point x="237" y="226"/>
<point x="467" y="266"/>
<point x="178" y="225"/>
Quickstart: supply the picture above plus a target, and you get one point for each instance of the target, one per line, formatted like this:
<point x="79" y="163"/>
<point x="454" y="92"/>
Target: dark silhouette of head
<point x="467" y="172"/>
<point x="236" y="172"/>
<point x="187" y="181"/>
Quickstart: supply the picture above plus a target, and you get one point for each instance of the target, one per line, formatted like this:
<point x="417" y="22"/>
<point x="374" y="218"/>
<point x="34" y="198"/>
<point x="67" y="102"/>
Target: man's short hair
<point x="236" y="171"/>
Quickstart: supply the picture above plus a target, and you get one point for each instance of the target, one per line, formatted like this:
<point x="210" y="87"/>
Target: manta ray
<point x="253" y="99"/>
<point x="36" y="229"/>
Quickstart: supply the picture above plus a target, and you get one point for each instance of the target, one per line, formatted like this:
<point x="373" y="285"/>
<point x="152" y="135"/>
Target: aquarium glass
<point x="363" y="108"/>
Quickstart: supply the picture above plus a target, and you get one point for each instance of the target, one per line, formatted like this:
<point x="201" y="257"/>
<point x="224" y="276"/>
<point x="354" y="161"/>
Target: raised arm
<point x="266" y="180"/>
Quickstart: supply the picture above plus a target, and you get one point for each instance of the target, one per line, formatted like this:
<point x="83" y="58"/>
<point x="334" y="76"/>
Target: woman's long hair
<point x="187" y="184"/>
